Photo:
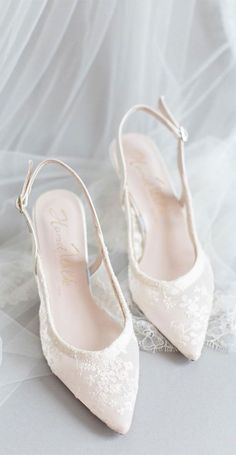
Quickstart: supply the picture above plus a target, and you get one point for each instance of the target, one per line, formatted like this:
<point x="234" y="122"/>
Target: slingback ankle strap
<point x="22" y="202"/>
<point x="166" y="118"/>
<point x="163" y="115"/>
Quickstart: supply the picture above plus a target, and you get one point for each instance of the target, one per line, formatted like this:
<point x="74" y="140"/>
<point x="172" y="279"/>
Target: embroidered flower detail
<point x="179" y="309"/>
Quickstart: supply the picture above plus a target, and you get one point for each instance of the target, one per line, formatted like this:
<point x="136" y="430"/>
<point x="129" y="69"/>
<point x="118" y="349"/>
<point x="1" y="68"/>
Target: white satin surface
<point x="68" y="72"/>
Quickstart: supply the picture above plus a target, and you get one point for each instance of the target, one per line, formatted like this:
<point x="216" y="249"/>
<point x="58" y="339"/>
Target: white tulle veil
<point x="68" y="72"/>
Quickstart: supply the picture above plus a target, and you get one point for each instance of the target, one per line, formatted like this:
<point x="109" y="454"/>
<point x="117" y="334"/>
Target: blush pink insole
<point x="61" y="231"/>
<point x="169" y="251"/>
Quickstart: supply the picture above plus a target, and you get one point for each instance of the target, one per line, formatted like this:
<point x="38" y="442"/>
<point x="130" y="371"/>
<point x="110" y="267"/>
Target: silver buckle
<point x="183" y="134"/>
<point x="19" y="204"/>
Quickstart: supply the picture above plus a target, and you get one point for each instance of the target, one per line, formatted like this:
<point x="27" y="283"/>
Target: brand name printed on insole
<point x="66" y="253"/>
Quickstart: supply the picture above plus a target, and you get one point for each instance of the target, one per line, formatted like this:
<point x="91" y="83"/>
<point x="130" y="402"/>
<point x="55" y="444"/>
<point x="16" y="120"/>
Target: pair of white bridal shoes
<point x="85" y="325"/>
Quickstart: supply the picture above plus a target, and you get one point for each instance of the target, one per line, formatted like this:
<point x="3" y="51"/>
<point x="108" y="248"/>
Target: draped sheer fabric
<point x="68" y="72"/>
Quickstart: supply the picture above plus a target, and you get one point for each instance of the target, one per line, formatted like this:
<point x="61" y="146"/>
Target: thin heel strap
<point x="22" y="200"/>
<point x="163" y="115"/>
<point x="166" y="118"/>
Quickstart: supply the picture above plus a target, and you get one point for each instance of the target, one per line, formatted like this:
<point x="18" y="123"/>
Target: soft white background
<point x="68" y="72"/>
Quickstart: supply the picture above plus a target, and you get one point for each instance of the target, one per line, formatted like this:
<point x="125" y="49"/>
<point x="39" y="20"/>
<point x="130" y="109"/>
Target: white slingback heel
<point x="92" y="350"/>
<point x="170" y="277"/>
